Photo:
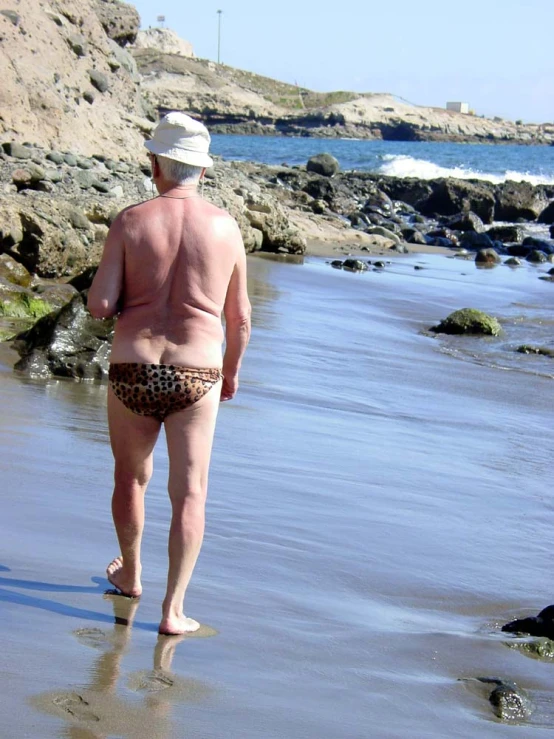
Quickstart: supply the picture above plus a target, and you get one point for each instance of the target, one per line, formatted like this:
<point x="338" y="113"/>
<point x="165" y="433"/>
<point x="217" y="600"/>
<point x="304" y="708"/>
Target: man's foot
<point x="128" y="585"/>
<point x="178" y="625"/>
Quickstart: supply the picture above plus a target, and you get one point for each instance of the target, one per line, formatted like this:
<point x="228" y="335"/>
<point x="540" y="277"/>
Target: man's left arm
<point x="106" y="289"/>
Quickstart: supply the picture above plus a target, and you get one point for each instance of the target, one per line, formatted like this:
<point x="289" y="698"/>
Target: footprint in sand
<point x="76" y="706"/>
<point x="150" y="682"/>
<point x="95" y="638"/>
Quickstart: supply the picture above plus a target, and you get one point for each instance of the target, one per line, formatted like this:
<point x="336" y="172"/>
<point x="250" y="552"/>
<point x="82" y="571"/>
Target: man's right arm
<point x="237" y="322"/>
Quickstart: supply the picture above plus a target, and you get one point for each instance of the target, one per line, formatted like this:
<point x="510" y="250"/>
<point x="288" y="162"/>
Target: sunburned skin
<point x="171" y="268"/>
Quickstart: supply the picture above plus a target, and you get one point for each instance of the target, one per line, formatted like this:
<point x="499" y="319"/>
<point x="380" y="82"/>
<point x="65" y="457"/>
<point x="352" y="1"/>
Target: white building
<point x="458" y="107"/>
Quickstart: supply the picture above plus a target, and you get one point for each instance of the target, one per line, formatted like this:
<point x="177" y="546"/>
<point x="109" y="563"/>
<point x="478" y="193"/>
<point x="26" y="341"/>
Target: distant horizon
<point x="493" y="59"/>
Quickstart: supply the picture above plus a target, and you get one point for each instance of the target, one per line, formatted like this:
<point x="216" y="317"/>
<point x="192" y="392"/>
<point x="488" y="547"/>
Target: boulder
<point x="547" y="215"/>
<point x="14" y="272"/>
<point x="515" y="200"/>
<point x="17" y="151"/>
<point x="468" y="321"/>
<point x="67" y="343"/>
<point x="540" y="625"/>
<point x="487" y="257"/>
<point x="323" y="164"/>
<point x="120" y="21"/>
<point x="354" y="265"/>
<point x="413" y="236"/>
<point x="467" y="221"/>
<point x="471" y="240"/>
<point x="536" y="257"/>
<point x="543" y="245"/>
<point x="99" y="80"/>
<point x="513" y="262"/>
<point x="506" y="234"/>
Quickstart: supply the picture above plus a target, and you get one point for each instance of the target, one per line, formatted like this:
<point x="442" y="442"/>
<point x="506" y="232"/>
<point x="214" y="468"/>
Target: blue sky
<point x="494" y="54"/>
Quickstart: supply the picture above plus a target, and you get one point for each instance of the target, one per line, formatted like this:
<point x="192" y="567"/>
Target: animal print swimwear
<point x="160" y="389"/>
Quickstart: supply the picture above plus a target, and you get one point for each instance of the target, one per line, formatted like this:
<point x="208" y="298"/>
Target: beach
<point x="379" y="506"/>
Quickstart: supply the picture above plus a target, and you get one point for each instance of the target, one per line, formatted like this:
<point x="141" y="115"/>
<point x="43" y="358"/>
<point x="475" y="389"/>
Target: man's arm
<point x="106" y="288"/>
<point x="237" y="323"/>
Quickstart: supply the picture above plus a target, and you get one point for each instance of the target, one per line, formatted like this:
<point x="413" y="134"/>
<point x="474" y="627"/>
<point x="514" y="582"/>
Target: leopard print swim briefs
<point x="160" y="389"/>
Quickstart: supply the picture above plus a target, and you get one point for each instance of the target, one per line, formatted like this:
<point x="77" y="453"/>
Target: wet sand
<point x="380" y="503"/>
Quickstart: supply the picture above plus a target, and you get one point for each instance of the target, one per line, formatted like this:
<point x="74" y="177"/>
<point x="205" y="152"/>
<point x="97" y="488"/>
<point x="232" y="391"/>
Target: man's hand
<point x="229" y="387"/>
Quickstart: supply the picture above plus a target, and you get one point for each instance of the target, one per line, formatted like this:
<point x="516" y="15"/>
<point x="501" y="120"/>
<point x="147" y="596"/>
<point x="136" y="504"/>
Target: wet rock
<point x="547" y="215"/>
<point x="487" y="257"/>
<point x="323" y="164"/>
<point x="509" y="702"/>
<point x="380" y="231"/>
<point x="379" y="265"/>
<point x="506" y="234"/>
<point x="513" y="262"/>
<point x="413" y="236"/>
<point x="552" y="232"/>
<point x="354" y="265"/>
<point x="439" y="241"/>
<point x="14" y="272"/>
<point x="536" y="257"/>
<point x="543" y="245"/>
<point x="17" y="151"/>
<point x="468" y="221"/>
<point x="540" y="625"/>
<point x="23" y="305"/>
<point x="518" y="200"/>
<point x="68" y="343"/>
<point x="55" y="294"/>
<point x="468" y="321"/>
<point x="543" y="351"/>
<point x="99" y="80"/>
<point x="471" y="240"/>
<point x="336" y="263"/>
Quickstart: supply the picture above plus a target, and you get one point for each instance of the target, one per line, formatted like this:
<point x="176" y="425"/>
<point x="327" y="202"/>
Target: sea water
<point x="379" y="505"/>
<point x="492" y="162"/>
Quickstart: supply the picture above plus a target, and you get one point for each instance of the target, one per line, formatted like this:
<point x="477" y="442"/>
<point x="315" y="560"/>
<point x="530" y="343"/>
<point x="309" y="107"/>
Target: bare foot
<point x="178" y="625"/>
<point x="127" y="585"/>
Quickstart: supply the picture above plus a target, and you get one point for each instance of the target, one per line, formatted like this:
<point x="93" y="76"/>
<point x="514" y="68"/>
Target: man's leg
<point x="189" y="436"/>
<point x="133" y="438"/>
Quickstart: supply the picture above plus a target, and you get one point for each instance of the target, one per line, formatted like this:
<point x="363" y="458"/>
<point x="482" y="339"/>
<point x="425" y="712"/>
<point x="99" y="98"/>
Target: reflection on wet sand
<point x="137" y="705"/>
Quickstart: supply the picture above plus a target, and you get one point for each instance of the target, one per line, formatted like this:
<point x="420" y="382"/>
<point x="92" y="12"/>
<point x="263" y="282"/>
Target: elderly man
<point x="171" y="267"/>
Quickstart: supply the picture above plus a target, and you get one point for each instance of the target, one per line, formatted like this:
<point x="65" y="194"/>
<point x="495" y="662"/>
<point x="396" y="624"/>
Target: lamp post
<point x="219" y="12"/>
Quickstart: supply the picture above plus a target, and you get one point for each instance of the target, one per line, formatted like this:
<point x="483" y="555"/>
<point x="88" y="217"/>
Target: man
<point x="171" y="266"/>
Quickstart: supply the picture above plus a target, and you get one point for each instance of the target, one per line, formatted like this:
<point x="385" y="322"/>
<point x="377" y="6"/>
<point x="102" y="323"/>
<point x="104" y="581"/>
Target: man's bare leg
<point x="133" y="438"/>
<point x="189" y="436"/>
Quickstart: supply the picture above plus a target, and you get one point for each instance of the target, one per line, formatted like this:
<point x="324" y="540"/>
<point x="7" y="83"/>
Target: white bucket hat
<point x="178" y="136"/>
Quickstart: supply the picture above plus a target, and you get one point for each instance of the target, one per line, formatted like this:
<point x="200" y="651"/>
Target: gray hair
<point x="178" y="172"/>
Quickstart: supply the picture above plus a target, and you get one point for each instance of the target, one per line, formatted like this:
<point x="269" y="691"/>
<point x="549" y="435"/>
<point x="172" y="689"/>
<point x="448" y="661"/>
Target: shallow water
<point x="379" y="505"/>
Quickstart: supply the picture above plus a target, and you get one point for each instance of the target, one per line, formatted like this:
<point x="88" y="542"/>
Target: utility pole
<point x="219" y="12"/>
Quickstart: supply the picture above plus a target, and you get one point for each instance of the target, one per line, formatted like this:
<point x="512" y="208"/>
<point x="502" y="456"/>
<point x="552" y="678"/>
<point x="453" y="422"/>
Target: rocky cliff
<point x="68" y="81"/>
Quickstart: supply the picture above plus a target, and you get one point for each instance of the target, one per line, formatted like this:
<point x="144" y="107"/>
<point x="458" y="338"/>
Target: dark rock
<point x="358" y="219"/>
<point x="509" y="703"/>
<point x="530" y="349"/>
<point x="323" y="164"/>
<point x="17" y="151"/>
<point x="471" y="240"/>
<point x="12" y="16"/>
<point x="518" y="200"/>
<point x="99" y="80"/>
<point x="518" y="250"/>
<point x="513" y="262"/>
<point x="543" y="244"/>
<point x="400" y="248"/>
<point x="120" y="21"/>
<point x="336" y="263"/>
<point x="319" y="207"/>
<point x="506" y="234"/>
<point x="68" y="343"/>
<point x="439" y="241"/>
<point x="444" y="233"/>
<point x="487" y="257"/>
<point x="88" y="96"/>
<point x="320" y="188"/>
<point x="541" y="625"/>
<point x="536" y="257"/>
<point x="354" y="265"/>
<point x="83" y="280"/>
<point x="379" y="202"/>
<point x="379" y="265"/>
<point x="547" y="215"/>
<point x="467" y="221"/>
<point x="468" y="321"/>
<point x="413" y="236"/>
<point x="552" y="232"/>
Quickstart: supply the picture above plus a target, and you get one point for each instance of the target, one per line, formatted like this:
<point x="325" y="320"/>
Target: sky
<point x="494" y="54"/>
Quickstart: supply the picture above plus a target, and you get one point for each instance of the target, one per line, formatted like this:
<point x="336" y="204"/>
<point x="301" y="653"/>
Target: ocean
<point x="380" y="504"/>
<point x="495" y="163"/>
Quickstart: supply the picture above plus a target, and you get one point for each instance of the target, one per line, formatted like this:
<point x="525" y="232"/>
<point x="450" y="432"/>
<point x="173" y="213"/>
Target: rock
<point x="467" y="221"/>
<point x="100" y="186"/>
<point x="354" y="265"/>
<point x="123" y="58"/>
<point x="83" y="281"/>
<point x="471" y="240"/>
<point x="55" y="156"/>
<point x="21" y="178"/>
<point x="12" y="16"/>
<point x="400" y="248"/>
<point x="70" y="160"/>
<point x="543" y="244"/>
<point x="413" y="236"/>
<point x="319" y="206"/>
<point x="513" y="262"/>
<point x="55" y="294"/>
<point x="23" y="305"/>
<point x="530" y="349"/>
<point x="468" y="321"/>
<point x="120" y="21"/>
<point x="536" y="257"/>
<point x="78" y="45"/>
<point x="85" y="179"/>
<point x="379" y="202"/>
<point x="88" y="96"/>
<point x="506" y="234"/>
<point x="14" y="272"/>
<point x="68" y="343"/>
<point x="487" y="257"/>
<point x="78" y="219"/>
<point x="552" y="232"/>
<point x="17" y="151"/>
<point x="163" y="40"/>
<point x="99" y="80"/>
<point x="380" y="231"/>
<point x="379" y="265"/>
<point x="541" y="625"/>
<point x="323" y="164"/>
<point x="53" y="175"/>
<point x="117" y="192"/>
<point x="518" y="250"/>
<point x="518" y="200"/>
<point x="547" y="215"/>
<point x="84" y="163"/>
<point x="336" y="263"/>
<point x="508" y="701"/>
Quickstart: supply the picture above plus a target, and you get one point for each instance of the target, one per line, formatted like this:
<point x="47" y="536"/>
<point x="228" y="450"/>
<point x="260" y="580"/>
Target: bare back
<point x="179" y="257"/>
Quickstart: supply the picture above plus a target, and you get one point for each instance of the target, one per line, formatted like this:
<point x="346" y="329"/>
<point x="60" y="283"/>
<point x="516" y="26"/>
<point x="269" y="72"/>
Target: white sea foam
<point x="407" y="166"/>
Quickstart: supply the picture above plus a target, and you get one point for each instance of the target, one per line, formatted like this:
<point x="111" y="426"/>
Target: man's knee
<point x="129" y="479"/>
